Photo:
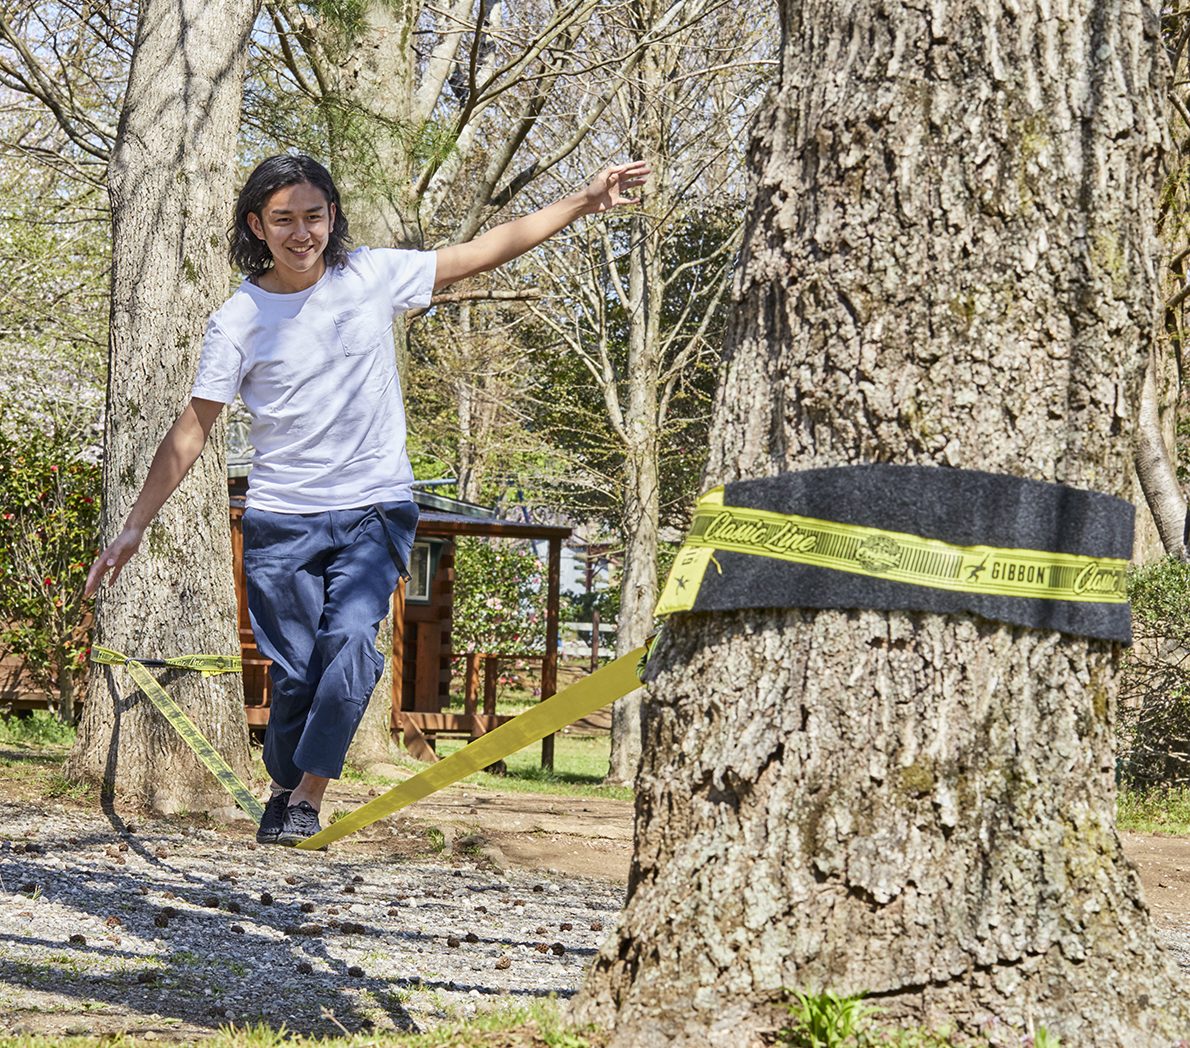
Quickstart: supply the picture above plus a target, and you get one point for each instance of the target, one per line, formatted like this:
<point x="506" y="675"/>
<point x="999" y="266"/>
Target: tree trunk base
<point x="885" y="804"/>
<point x="136" y="758"/>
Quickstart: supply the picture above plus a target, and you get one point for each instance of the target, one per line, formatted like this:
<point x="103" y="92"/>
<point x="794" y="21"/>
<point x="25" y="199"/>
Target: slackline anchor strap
<point x="914" y="538"/>
<point x="207" y="665"/>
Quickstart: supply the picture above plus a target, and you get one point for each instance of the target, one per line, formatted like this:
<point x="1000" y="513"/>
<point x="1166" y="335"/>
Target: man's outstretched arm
<point x="508" y="241"/>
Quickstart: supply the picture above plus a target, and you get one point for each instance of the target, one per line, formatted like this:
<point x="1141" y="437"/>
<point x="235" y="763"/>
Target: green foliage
<point x="1157" y="809"/>
<point x="499" y="597"/>
<point x="831" y="1020"/>
<point x="39" y="728"/>
<point x="579" y="607"/>
<point x="48" y="525"/>
<point x="826" y="1020"/>
<point x="1153" y="727"/>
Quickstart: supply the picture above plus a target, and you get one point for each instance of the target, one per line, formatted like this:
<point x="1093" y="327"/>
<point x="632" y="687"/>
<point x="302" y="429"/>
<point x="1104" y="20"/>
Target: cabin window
<point x="417" y="586"/>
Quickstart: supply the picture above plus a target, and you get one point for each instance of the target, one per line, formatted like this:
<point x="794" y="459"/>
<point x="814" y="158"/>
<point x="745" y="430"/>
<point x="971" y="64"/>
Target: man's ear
<point x="333" y="213"/>
<point x="254" y="225"/>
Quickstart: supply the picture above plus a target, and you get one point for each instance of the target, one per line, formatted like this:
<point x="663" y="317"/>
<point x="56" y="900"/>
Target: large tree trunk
<point x="171" y="194"/>
<point x="950" y="261"/>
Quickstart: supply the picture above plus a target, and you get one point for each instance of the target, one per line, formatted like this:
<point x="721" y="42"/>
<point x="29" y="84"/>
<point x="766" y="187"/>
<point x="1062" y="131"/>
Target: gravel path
<point x="169" y="930"/>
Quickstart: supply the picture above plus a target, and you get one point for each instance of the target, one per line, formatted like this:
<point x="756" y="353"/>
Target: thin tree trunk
<point x="950" y="261"/>
<point x="171" y="194"/>
<point x="641" y="393"/>
<point x="1157" y="474"/>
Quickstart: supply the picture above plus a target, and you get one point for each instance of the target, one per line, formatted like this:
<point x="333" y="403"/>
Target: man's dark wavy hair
<point x="251" y="254"/>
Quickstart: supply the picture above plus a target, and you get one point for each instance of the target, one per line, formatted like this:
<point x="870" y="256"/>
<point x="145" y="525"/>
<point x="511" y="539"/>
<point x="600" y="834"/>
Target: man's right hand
<point x="113" y="559"/>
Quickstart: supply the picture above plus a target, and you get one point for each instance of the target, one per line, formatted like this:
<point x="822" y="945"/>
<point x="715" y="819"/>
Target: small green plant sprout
<point x="826" y="1020"/>
<point x="1042" y="1038"/>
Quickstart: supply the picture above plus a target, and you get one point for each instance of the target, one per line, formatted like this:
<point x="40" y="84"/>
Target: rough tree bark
<point x="950" y="261"/>
<point x="170" y="185"/>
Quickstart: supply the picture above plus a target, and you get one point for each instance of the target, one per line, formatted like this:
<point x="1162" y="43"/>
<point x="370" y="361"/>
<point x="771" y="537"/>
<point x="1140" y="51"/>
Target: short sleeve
<point x="408" y="275"/>
<point x="220" y="367"/>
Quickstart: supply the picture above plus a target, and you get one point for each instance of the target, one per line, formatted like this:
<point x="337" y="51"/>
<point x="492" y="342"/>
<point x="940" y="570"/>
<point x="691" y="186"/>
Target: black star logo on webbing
<point x="681" y="581"/>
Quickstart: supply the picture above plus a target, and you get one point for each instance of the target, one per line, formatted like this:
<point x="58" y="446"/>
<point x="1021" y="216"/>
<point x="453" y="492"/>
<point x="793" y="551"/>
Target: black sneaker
<point x="270" y="821"/>
<point x="301" y="822"/>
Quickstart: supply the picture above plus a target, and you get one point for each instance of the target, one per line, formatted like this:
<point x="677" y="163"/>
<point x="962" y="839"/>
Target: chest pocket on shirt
<point x="361" y="331"/>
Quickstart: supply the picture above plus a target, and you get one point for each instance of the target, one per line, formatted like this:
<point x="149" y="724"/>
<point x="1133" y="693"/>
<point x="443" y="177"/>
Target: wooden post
<point x="471" y="690"/>
<point x="491" y="671"/>
<point x="594" y="639"/>
<point x="549" y="664"/>
<point x="491" y="674"/>
<point x="397" y="663"/>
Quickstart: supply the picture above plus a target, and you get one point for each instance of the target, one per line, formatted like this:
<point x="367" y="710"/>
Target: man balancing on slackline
<point x="306" y="341"/>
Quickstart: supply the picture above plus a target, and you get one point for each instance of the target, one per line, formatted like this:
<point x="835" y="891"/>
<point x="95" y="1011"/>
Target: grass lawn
<point x="580" y="763"/>
<point x="1155" y="810"/>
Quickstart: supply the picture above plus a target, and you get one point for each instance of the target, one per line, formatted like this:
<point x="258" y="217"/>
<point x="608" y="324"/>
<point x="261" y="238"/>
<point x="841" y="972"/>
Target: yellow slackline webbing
<point x="207" y="665"/>
<point x="573" y="703"/>
<point x="878" y="553"/>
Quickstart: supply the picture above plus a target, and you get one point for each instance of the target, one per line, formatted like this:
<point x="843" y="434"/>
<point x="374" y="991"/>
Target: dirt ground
<point x="466" y="900"/>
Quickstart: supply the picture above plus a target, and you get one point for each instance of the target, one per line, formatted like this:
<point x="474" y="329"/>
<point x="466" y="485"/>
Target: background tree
<point x="642" y="302"/>
<point x="169" y="179"/>
<point x="949" y="262"/>
<point x="1162" y="528"/>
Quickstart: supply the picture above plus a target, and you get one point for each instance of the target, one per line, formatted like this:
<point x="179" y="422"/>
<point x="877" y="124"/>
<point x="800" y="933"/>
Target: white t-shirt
<point x="316" y="370"/>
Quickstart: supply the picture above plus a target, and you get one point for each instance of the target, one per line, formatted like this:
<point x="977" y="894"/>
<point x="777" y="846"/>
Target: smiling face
<point x="295" y="224"/>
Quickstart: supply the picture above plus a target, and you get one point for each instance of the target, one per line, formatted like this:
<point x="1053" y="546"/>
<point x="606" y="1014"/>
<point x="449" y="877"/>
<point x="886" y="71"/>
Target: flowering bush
<point x="48" y="525"/>
<point x="499" y="598"/>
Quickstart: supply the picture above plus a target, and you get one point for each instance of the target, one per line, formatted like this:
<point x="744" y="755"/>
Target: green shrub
<point x="39" y="728"/>
<point x="48" y="527"/>
<point x="499" y="598"/>
<point x="1153" y="727"/>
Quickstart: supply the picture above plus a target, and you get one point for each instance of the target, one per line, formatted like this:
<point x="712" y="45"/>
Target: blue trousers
<point x="319" y="585"/>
